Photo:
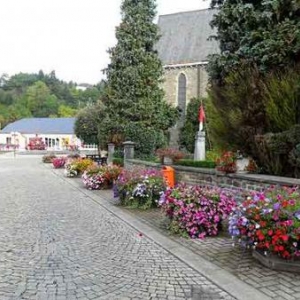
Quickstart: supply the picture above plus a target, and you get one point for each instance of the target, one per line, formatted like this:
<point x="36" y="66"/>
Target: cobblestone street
<point x="55" y="243"/>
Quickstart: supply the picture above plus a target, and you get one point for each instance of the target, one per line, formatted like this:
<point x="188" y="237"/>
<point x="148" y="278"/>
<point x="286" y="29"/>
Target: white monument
<point x="199" y="153"/>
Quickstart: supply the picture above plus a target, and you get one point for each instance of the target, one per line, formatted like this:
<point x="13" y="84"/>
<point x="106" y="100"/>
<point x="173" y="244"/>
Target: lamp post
<point x="14" y="134"/>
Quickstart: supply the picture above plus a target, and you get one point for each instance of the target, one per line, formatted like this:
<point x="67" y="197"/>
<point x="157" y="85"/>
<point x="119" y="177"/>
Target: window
<point x="182" y="96"/>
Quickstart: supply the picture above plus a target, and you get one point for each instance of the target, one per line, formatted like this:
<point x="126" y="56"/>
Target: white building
<point x="56" y="133"/>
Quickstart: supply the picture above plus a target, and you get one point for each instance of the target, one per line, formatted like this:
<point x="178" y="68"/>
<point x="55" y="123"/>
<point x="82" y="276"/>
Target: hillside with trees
<point x="42" y="95"/>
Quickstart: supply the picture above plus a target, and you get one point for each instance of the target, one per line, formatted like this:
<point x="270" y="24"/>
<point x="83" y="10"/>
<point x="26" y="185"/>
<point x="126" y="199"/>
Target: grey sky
<point x="68" y="36"/>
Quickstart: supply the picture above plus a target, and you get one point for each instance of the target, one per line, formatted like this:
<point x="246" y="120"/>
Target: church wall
<point x="170" y="84"/>
<point x="194" y="84"/>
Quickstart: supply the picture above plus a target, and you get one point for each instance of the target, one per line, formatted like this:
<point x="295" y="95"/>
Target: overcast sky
<point x="68" y="36"/>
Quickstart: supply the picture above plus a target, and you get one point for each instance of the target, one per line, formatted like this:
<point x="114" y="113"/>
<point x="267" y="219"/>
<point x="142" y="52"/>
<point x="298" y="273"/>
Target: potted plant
<point x="269" y="222"/>
<point x="139" y="188"/>
<point x="169" y="155"/>
<point x="227" y="162"/>
<point x="196" y="211"/>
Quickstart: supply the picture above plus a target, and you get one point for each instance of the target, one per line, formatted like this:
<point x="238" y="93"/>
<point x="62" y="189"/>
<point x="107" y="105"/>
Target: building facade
<point x="56" y="133"/>
<point x="184" y="48"/>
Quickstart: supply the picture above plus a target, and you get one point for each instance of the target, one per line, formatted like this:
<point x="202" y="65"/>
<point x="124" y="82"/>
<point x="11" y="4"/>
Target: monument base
<point x="199" y="153"/>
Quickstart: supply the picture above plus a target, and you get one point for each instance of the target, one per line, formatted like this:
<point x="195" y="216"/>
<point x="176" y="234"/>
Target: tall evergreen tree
<point x="135" y="72"/>
<point x="265" y="33"/>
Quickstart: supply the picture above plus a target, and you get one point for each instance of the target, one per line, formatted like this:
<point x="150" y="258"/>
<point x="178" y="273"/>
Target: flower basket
<point x="169" y="155"/>
<point x="99" y="178"/>
<point x="196" y="211"/>
<point x="227" y="163"/>
<point x="75" y="167"/>
<point x="59" y="162"/>
<point x="270" y="222"/>
<point x="140" y="188"/>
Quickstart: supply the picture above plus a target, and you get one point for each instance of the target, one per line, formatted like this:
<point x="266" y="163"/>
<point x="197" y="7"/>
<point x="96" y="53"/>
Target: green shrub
<point x="191" y="125"/>
<point x="146" y="139"/>
<point x="278" y="153"/>
<point x="118" y="161"/>
<point x="196" y="164"/>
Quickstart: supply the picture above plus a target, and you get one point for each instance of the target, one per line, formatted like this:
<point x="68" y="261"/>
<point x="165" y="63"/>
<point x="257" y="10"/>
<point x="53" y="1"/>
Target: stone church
<point x="183" y="49"/>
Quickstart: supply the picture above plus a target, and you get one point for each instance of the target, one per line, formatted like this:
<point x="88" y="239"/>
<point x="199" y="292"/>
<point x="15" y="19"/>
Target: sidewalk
<point x="229" y="268"/>
<point x="220" y="257"/>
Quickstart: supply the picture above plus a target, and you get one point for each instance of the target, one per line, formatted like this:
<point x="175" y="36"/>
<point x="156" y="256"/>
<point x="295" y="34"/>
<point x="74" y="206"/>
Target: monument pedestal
<point x="199" y="153"/>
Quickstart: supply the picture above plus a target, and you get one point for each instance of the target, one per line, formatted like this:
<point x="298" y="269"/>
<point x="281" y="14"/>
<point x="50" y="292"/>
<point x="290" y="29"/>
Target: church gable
<point x="184" y="37"/>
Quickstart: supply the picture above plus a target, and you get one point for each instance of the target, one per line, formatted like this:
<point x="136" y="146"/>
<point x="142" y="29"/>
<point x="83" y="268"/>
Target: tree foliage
<point x="42" y="95"/>
<point x="265" y="33"/>
<point x="88" y="123"/>
<point x="191" y="125"/>
<point x="255" y="77"/>
<point x="135" y="72"/>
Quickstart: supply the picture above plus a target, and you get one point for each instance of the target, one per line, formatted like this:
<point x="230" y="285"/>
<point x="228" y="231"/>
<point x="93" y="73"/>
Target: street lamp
<point x="14" y="134"/>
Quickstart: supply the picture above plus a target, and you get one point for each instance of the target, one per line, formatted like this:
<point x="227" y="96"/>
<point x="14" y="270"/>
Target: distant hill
<point x="43" y="95"/>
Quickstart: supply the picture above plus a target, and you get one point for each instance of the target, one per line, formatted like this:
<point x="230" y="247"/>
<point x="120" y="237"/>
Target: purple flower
<point x="276" y="206"/>
<point x="297" y="214"/>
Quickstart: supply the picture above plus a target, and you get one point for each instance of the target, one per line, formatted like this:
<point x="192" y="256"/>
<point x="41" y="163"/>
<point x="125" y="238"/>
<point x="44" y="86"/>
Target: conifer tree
<point x="135" y="71"/>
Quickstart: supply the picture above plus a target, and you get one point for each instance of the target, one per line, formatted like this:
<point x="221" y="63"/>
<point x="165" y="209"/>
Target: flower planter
<point x="241" y="164"/>
<point x="276" y="263"/>
<point x="167" y="160"/>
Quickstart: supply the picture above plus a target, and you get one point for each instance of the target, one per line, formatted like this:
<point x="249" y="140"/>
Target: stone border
<point x="223" y="279"/>
<point x="276" y="263"/>
<point x="240" y="182"/>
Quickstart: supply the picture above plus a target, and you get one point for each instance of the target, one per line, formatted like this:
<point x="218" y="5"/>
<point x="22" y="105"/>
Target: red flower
<point x="262" y="223"/>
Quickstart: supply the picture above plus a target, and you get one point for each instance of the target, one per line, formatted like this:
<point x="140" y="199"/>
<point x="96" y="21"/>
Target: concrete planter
<point x="166" y="160"/>
<point x="276" y="263"/>
<point x="241" y="164"/>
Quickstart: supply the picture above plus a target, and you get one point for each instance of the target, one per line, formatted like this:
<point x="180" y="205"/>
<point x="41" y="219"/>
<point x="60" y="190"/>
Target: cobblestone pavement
<point x="220" y="251"/>
<point x="55" y="243"/>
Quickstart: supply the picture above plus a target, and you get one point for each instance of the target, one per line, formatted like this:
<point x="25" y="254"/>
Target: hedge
<point x="196" y="164"/>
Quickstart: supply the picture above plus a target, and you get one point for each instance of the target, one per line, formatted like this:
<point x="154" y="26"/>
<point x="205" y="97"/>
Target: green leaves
<point x="265" y="33"/>
<point x="134" y="78"/>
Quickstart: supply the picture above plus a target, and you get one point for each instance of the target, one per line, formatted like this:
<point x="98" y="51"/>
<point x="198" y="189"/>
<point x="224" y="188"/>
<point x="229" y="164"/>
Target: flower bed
<point x="75" y="167"/>
<point x="227" y="162"/>
<point x="171" y="153"/>
<point x="59" y="162"/>
<point x="47" y="159"/>
<point x="270" y="222"/>
<point x="97" y="178"/>
<point x="196" y="211"/>
<point x="140" y="188"/>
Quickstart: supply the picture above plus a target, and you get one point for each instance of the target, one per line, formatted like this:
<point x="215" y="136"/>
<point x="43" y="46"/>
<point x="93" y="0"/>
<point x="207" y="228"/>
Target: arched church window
<point x="182" y="95"/>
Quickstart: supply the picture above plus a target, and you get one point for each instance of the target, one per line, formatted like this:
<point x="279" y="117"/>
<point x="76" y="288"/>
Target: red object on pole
<point x="201" y="114"/>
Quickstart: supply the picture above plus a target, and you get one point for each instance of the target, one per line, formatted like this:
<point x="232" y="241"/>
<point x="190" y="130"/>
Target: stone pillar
<point x="199" y="153"/>
<point x="111" y="151"/>
<point x="128" y="151"/>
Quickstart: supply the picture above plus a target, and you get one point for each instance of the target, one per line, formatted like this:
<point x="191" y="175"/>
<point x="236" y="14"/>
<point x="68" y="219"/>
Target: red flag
<point x="201" y="117"/>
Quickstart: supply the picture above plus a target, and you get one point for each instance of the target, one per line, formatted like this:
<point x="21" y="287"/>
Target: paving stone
<point x="56" y="243"/>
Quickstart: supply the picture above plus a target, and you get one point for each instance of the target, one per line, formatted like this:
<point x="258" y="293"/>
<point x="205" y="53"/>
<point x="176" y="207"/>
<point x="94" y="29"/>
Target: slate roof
<point x="42" y="126"/>
<point x="184" y="37"/>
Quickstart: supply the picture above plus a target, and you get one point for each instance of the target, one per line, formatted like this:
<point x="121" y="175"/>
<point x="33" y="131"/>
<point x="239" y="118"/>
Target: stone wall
<point x="196" y="85"/>
<point x="239" y="181"/>
<point x="170" y="84"/>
